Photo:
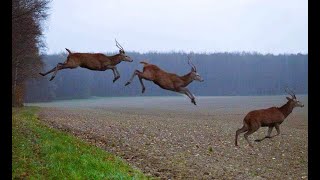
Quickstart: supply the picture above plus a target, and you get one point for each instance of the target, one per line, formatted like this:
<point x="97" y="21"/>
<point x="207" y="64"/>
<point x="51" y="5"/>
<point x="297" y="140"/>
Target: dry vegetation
<point x="189" y="144"/>
<point x="27" y="20"/>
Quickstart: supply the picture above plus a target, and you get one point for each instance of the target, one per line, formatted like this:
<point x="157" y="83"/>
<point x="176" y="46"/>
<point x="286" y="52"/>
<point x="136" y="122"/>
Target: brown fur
<point x="165" y="80"/>
<point x="271" y="117"/>
<point x="92" y="61"/>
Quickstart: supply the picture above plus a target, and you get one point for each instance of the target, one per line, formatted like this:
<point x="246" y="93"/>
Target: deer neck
<point x="187" y="79"/>
<point x="116" y="59"/>
<point x="286" y="109"/>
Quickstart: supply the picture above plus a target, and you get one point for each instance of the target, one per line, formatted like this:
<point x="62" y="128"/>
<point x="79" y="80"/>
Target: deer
<point x="166" y="80"/>
<point x="92" y="61"/>
<point x="271" y="117"/>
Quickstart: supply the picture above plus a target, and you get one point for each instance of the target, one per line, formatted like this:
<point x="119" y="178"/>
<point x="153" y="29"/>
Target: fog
<point x="224" y="74"/>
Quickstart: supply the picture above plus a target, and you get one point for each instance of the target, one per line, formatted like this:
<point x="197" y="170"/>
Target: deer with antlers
<point x="271" y="117"/>
<point x="92" y="61"/>
<point x="168" y="81"/>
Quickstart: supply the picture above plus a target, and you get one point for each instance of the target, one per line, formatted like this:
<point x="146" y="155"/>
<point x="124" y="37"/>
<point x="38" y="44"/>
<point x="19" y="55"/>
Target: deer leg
<point x="239" y="131"/>
<point x="53" y="69"/>
<point x="141" y="82"/>
<point x="188" y="93"/>
<point x="277" y="126"/>
<point x="59" y="67"/>
<point x="250" y="131"/>
<point x="193" y="99"/>
<point x="116" y="69"/>
<point x="140" y="75"/>
<point x="116" y="74"/>
<point x="136" y="72"/>
<point x="132" y="76"/>
<point x="267" y="136"/>
<point x="269" y="132"/>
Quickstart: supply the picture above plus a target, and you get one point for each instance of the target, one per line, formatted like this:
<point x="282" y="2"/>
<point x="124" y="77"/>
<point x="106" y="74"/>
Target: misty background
<point x="223" y="73"/>
<point x="247" y="47"/>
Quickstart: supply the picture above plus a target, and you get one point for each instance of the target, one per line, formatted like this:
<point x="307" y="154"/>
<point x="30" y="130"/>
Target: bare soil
<point x="189" y="144"/>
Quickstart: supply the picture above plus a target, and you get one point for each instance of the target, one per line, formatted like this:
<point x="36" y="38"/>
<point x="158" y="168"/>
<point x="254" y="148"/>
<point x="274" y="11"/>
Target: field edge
<point x="41" y="152"/>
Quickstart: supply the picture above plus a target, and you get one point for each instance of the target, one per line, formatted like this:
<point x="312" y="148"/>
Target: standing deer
<point x="92" y="61"/>
<point x="168" y="81"/>
<point x="271" y="117"/>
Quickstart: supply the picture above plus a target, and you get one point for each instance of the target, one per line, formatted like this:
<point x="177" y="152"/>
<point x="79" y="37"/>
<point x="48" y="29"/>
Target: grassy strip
<point x="39" y="152"/>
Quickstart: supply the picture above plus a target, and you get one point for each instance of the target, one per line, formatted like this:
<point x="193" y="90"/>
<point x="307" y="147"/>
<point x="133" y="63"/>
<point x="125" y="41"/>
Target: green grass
<point x="39" y="152"/>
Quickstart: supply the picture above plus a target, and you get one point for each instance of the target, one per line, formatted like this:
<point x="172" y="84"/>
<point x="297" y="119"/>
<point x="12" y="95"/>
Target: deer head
<point x="293" y="102"/>
<point x="194" y="74"/>
<point x="122" y="54"/>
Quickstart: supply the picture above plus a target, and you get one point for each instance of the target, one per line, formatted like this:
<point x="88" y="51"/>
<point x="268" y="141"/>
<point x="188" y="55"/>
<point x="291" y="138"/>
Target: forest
<point x="28" y="18"/>
<point x="224" y="74"/>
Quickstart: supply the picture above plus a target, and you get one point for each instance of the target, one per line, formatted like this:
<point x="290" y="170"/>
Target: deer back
<point x="93" y="61"/>
<point x="160" y="77"/>
<point x="265" y="116"/>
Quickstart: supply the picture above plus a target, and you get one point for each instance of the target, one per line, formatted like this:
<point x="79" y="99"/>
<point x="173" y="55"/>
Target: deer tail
<point x="68" y="51"/>
<point x="143" y="62"/>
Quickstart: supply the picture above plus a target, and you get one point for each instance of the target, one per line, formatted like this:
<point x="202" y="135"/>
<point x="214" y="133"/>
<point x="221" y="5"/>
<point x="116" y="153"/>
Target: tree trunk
<point x="19" y="96"/>
<point x="17" y="90"/>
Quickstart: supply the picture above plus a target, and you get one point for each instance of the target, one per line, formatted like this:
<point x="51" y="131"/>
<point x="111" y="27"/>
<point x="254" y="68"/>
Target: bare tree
<point x="27" y="27"/>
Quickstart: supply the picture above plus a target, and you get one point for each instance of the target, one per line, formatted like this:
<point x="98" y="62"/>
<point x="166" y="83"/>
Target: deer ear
<point x="288" y="98"/>
<point x="192" y="69"/>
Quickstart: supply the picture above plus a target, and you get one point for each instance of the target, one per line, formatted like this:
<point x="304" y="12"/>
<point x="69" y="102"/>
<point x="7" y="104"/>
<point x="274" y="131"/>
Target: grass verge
<point x="39" y="152"/>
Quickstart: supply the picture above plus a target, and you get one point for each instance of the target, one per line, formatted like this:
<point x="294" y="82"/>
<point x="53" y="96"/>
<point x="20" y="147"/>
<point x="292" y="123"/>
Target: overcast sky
<point x="265" y="26"/>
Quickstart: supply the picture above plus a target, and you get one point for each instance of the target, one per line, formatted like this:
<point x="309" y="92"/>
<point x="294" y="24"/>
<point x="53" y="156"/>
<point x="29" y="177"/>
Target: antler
<point x="290" y="92"/>
<point x="190" y="63"/>
<point x="118" y="45"/>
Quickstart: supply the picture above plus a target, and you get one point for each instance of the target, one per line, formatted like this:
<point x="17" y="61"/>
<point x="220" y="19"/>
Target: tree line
<point x="27" y="43"/>
<point x="224" y="74"/>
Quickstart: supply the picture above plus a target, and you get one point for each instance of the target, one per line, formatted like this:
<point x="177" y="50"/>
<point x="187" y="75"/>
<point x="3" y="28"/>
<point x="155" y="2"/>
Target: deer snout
<point x="128" y="60"/>
<point x="300" y="104"/>
<point x="200" y="79"/>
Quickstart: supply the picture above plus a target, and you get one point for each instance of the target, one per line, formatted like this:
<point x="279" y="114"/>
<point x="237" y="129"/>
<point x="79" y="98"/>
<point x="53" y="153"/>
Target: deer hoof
<point x="127" y="83"/>
<point x="194" y="102"/>
<point x="51" y="78"/>
<point x="114" y="80"/>
<point x="143" y="90"/>
<point x="41" y="74"/>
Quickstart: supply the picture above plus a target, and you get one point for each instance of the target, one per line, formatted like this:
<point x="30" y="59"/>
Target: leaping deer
<point x="168" y="81"/>
<point x="92" y="61"/>
<point x="271" y="117"/>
